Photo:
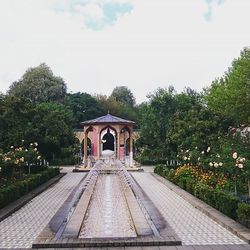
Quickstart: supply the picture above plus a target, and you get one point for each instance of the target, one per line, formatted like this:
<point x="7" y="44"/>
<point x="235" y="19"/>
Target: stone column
<point x="85" y="145"/>
<point x="118" y="144"/>
<point x="131" y="148"/>
<point x="98" y="146"/>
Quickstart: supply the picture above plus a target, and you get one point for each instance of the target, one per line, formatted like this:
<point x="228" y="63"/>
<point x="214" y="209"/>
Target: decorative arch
<point x="108" y="137"/>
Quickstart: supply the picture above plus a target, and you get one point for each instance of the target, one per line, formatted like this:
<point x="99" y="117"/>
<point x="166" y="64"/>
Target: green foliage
<point x="243" y="213"/>
<point x="53" y="130"/>
<point x="83" y="106"/>
<point x="16" y="190"/>
<point x="110" y="105"/>
<point x="225" y="203"/>
<point x="123" y="95"/>
<point x="39" y="84"/>
<point x="173" y="122"/>
<point x="49" y="124"/>
<point x="229" y="95"/>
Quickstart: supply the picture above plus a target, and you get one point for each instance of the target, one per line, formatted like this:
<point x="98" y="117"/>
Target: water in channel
<point x="108" y="214"/>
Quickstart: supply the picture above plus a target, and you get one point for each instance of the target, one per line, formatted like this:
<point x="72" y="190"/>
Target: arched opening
<point x="108" y="141"/>
<point x="125" y="132"/>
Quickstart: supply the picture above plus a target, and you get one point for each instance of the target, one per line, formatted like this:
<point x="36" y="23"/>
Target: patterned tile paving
<point x="191" y="225"/>
<point x="21" y="228"/>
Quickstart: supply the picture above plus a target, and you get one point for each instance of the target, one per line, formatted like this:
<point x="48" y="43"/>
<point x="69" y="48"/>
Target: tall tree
<point x="49" y="124"/>
<point x="110" y="105"/>
<point x="39" y="84"/>
<point x="84" y="107"/>
<point x="230" y="95"/>
<point x="124" y="95"/>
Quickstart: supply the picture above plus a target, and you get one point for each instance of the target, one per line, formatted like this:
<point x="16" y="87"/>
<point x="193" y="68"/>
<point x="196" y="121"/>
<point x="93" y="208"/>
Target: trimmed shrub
<point x="243" y="214"/>
<point x="225" y="203"/>
<point x="18" y="189"/>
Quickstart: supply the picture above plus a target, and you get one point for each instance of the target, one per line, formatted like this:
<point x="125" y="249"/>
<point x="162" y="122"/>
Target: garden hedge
<point x="243" y="213"/>
<point x="18" y="189"/>
<point x="228" y="204"/>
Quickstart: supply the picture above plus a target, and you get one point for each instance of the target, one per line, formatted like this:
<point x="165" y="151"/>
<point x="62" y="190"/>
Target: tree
<point x="53" y="131"/>
<point x="124" y="95"/>
<point x="16" y="116"/>
<point x="49" y="124"/>
<point x="230" y="95"/>
<point x="110" y="105"/>
<point x="83" y="106"/>
<point x="172" y="122"/>
<point x="39" y="85"/>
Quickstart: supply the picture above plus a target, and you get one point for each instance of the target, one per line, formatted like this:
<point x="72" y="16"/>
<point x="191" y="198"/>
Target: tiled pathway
<point x="191" y="225"/>
<point x="21" y="228"/>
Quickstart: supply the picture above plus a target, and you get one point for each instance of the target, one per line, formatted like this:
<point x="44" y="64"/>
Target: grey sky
<point x="96" y="45"/>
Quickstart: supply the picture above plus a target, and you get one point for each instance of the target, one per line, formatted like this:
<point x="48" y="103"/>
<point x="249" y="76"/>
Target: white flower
<point x="198" y="158"/>
<point x="185" y="158"/>
<point x="202" y="152"/>
<point x="220" y="164"/>
<point x="36" y="144"/>
<point x="35" y="149"/>
<point x="11" y="146"/>
<point x="187" y="151"/>
<point x="208" y="149"/>
<point x="26" y="150"/>
<point x="216" y="165"/>
<point x="196" y="147"/>
<point x="235" y="155"/>
<point x="241" y="159"/>
<point x="189" y="158"/>
<point x="22" y="140"/>
<point x="240" y="165"/>
<point x="38" y="157"/>
<point x="218" y="156"/>
<point x="211" y="164"/>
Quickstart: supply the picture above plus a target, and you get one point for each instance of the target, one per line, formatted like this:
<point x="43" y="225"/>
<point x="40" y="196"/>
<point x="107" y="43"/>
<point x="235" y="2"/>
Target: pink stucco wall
<point x="122" y="151"/>
<point x="95" y="142"/>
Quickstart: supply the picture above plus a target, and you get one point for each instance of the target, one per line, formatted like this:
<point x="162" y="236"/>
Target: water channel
<point x="108" y="214"/>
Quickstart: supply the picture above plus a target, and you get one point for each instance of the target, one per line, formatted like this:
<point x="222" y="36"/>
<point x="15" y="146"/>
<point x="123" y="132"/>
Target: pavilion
<point x="108" y="136"/>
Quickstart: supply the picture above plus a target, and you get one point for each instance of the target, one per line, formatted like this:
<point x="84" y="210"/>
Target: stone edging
<point x="15" y="205"/>
<point x="228" y="223"/>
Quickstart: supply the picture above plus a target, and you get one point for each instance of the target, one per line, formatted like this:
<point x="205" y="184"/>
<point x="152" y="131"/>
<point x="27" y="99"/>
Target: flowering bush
<point x="19" y="157"/>
<point x="209" y="178"/>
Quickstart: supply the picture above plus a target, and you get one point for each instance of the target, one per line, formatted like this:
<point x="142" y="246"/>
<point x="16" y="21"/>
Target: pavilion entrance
<point x="108" y="140"/>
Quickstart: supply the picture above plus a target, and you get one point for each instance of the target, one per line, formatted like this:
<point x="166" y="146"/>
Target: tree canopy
<point x="124" y="95"/>
<point x="39" y="84"/>
<point x="83" y="106"/>
<point x="230" y="94"/>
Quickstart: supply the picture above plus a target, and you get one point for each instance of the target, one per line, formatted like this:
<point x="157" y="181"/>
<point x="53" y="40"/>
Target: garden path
<point x="21" y="228"/>
<point x="191" y="225"/>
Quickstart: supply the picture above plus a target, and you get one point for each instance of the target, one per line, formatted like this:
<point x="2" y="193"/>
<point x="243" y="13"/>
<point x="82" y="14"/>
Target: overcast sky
<point x="95" y="45"/>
